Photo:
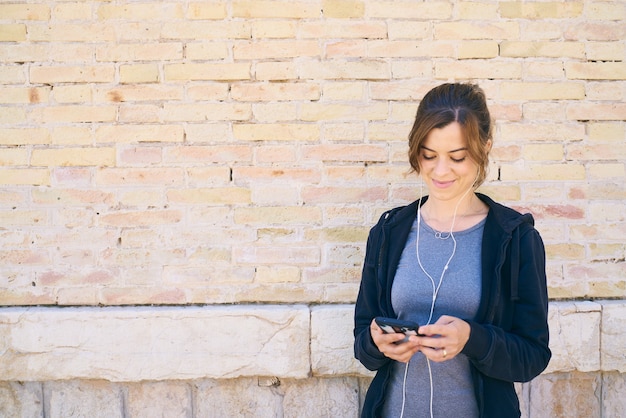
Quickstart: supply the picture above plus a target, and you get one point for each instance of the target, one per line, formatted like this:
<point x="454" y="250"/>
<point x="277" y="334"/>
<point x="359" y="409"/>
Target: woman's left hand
<point x="444" y="339"/>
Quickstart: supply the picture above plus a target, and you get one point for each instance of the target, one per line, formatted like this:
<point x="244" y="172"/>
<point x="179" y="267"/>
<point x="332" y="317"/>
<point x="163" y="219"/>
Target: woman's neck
<point x="455" y="214"/>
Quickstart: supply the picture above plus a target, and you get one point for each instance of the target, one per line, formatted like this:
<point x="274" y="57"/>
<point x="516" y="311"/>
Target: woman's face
<point x="445" y="164"/>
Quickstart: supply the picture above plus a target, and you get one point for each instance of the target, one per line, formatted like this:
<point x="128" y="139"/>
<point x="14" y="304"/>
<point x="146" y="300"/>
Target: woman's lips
<point x="443" y="184"/>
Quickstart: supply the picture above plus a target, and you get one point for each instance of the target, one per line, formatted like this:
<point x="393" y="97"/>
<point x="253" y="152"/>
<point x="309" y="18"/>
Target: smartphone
<point x="391" y="325"/>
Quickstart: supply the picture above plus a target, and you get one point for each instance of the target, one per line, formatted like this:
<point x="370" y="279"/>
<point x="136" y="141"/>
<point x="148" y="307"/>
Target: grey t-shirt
<point x="459" y="296"/>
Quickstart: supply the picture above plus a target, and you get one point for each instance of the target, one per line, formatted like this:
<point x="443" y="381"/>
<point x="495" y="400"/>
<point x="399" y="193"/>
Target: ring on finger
<point x="445" y="353"/>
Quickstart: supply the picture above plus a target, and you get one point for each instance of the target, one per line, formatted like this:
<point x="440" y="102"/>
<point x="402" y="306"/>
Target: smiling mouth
<point x="443" y="184"/>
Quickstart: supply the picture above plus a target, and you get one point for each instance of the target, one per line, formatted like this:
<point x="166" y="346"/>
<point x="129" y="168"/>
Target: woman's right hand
<point x="386" y="343"/>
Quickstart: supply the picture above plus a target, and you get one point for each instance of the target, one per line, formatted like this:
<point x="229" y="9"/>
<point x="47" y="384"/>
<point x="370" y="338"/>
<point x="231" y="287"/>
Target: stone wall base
<point x="554" y="395"/>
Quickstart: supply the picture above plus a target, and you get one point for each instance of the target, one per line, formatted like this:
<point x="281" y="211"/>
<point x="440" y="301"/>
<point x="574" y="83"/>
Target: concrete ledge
<point x="153" y="343"/>
<point x="188" y="342"/>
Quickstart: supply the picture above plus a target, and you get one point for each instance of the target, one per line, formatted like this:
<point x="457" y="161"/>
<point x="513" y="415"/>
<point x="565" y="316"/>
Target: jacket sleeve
<point x="368" y="307"/>
<point x="516" y="351"/>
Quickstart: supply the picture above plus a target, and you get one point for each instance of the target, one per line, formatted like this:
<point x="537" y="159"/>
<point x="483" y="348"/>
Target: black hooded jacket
<point x="509" y="336"/>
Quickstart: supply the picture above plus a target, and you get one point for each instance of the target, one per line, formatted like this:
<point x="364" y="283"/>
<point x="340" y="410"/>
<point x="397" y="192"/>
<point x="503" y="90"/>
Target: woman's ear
<point x="488" y="146"/>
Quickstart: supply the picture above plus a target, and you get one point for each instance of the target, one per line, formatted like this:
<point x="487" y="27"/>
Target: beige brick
<point x="292" y="175"/>
<point x="272" y="254"/>
<point x="594" y="31"/>
<point x="139" y="133"/>
<point x="12" y="75"/>
<point x="522" y="49"/>
<point x="596" y="111"/>
<point x="606" y="171"/>
<point x="343" y="131"/>
<point x="342" y="69"/>
<point x="473" y="69"/>
<point x="340" y="234"/>
<point x="137" y="93"/>
<point x="73" y="94"/>
<point x="603" y="91"/>
<point x="478" y="49"/>
<point x="544" y="71"/>
<point x="276" y="132"/>
<point x="344" y="91"/>
<point x="276" y="49"/>
<point x="275" y="154"/>
<point x="24" y="95"/>
<point x="539" y="172"/>
<point x="410" y="49"/>
<point x="544" y="152"/>
<point x="142" y="155"/>
<point x="596" y="71"/>
<point x="212" y="72"/>
<point x="343" y="30"/>
<point x="72" y="11"/>
<point x="214" y="133"/>
<point x="410" y="69"/>
<point x="312" y="112"/>
<point x="210" y="196"/>
<point x="101" y="156"/>
<point x="14" y="157"/>
<point x="72" y="197"/>
<point x="280" y="70"/>
<point x="147" y="11"/>
<point x="606" y="131"/>
<point x="275" y="112"/>
<point x="207" y="51"/>
<point x="400" y="29"/>
<point x="264" y="92"/>
<point x="166" y="177"/>
<point x="207" y="154"/>
<point x="605" y="51"/>
<point x="343" y="9"/>
<point x="194" y="30"/>
<point x="277" y="274"/>
<point x="206" y="11"/>
<point x="597" y="152"/>
<point x="214" y="112"/>
<point x="63" y="74"/>
<point x="550" y="132"/>
<point x="472" y="10"/>
<point x="275" y="9"/>
<point x="321" y="195"/>
<point x="25" y="11"/>
<point x="281" y="215"/>
<point x="481" y="30"/>
<point x="346" y="49"/>
<point x="74" y="113"/>
<point x="58" y="52"/>
<point x="23" y="218"/>
<point x="139" y="113"/>
<point x="140" y="218"/>
<point x="541" y="10"/>
<point x="25" y="176"/>
<point x="139" y="73"/>
<point x="272" y="29"/>
<point x="15" y="32"/>
<point x="354" y="153"/>
<point x="605" y="11"/>
<point x="24" y="136"/>
<point x="542" y="91"/>
<point x="435" y="10"/>
<point x="72" y="32"/>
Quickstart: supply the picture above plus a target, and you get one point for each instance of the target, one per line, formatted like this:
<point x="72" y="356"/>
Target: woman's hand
<point x="386" y="343"/>
<point x="444" y="339"/>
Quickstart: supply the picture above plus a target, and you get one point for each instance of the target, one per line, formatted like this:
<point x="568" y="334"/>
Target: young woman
<point x="470" y="271"/>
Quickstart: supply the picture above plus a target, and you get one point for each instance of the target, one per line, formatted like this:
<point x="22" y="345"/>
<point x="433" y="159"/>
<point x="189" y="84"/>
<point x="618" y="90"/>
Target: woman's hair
<point x="448" y="103"/>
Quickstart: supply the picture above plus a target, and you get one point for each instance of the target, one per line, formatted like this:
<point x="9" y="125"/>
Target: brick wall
<point x="162" y="161"/>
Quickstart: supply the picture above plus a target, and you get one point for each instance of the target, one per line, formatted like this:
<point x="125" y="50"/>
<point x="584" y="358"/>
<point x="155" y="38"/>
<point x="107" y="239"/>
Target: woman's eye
<point x="428" y="157"/>
<point x="458" y="160"/>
